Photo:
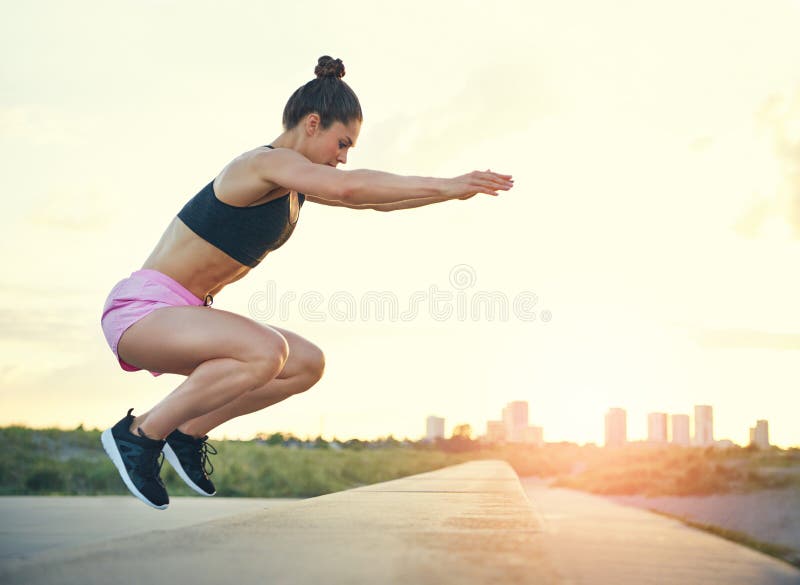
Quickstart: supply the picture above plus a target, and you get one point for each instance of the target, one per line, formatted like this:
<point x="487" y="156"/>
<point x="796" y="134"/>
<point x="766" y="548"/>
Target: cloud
<point x="701" y="143"/>
<point x="779" y="210"/>
<point x="42" y="125"/>
<point x="494" y="101"/>
<point x="48" y="148"/>
<point x="56" y="327"/>
<point x="750" y="223"/>
<point x="45" y="292"/>
<point x="746" y="339"/>
<point x="7" y="372"/>
<point x="76" y="212"/>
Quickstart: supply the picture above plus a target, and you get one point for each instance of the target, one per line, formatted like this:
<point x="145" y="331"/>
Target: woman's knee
<point x="307" y="359"/>
<point x="311" y="368"/>
<point x="315" y="365"/>
<point x="267" y="360"/>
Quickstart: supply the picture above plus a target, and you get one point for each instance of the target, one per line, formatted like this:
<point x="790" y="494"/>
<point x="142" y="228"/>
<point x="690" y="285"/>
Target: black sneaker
<point x="189" y="457"/>
<point x="138" y="462"/>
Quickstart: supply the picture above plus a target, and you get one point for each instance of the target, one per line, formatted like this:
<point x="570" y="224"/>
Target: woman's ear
<point x="312" y="124"/>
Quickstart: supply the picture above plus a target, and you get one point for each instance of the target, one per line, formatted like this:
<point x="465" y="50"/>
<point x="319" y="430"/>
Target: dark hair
<point x="327" y="95"/>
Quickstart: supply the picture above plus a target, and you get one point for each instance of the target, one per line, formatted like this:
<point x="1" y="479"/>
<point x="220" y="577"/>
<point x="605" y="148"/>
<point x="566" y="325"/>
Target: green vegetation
<point x="52" y="461"/>
<point x="55" y="462"/>
<point x="678" y="471"/>
<point x="250" y="469"/>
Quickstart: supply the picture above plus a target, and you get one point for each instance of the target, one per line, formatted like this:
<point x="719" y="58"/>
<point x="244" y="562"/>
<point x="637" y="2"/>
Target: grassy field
<point x="677" y="471"/>
<point x="57" y="462"/>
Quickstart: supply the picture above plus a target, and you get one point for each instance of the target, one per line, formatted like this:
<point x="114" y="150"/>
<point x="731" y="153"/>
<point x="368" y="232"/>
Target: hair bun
<point x="329" y="67"/>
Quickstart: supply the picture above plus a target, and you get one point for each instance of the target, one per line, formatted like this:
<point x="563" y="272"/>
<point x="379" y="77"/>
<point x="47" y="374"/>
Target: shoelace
<point x="205" y="449"/>
<point x="148" y="466"/>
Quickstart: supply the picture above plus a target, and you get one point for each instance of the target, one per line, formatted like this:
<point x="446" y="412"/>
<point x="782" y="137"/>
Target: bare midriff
<point x="188" y="259"/>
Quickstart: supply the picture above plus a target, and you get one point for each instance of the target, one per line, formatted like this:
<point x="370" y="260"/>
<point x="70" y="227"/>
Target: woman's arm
<point x="412" y="203"/>
<point x="364" y="187"/>
<point x="406" y="204"/>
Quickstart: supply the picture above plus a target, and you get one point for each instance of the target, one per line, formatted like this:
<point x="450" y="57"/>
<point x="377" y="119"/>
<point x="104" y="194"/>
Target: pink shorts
<point x="140" y="294"/>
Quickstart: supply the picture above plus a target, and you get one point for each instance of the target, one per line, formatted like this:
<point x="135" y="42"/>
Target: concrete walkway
<point x="469" y="524"/>
<point x="592" y="540"/>
<point x="32" y="525"/>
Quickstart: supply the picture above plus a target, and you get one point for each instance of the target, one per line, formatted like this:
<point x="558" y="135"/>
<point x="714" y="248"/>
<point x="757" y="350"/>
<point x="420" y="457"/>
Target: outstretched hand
<point x="471" y="184"/>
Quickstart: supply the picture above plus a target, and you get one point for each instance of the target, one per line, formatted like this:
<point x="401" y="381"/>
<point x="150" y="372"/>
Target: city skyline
<point x="658" y="429"/>
<point x="437" y="426"/>
<point x="661" y="428"/>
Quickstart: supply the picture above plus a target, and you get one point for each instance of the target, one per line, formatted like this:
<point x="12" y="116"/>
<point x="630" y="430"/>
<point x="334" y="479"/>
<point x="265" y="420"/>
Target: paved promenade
<point x="592" y="540"/>
<point x="469" y="524"/>
<point x="33" y="525"/>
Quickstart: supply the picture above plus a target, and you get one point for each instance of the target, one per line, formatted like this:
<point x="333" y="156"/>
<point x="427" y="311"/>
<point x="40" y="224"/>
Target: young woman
<point x="159" y="319"/>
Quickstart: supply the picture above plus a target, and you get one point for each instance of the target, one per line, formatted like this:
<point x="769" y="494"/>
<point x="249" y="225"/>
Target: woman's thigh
<point x="176" y="340"/>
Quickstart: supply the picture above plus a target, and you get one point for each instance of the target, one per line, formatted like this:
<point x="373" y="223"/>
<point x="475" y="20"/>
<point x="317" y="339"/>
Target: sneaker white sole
<point x="110" y="446"/>
<point x="176" y="465"/>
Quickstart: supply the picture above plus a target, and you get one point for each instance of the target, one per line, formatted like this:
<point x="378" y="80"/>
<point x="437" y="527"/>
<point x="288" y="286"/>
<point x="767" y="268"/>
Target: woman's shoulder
<point x="242" y="181"/>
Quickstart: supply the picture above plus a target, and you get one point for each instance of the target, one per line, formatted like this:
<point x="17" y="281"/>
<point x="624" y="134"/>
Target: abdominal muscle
<point x="199" y="266"/>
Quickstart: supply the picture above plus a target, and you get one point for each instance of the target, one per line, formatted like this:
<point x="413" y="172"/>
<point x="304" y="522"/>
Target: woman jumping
<point x="159" y="319"/>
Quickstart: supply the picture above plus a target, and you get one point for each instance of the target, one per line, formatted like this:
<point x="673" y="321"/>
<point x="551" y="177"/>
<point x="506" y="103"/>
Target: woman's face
<point x="330" y="147"/>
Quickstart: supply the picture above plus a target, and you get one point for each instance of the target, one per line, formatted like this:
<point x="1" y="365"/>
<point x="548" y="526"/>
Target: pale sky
<point x="656" y="214"/>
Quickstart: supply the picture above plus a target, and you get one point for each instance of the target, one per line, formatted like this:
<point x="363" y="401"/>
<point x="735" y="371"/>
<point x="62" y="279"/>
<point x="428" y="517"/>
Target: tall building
<point x="515" y="417"/>
<point x="496" y="431"/>
<point x="434" y="428"/>
<point x="680" y="429"/>
<point x="657" y="427"/>
<point x="759" y="434"/>
<point x="616" y="427"/>
<point x="533" y="436"/>
<point x="703" y="426"/>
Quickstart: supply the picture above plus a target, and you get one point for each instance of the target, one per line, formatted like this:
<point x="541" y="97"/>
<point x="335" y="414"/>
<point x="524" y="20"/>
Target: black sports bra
<point x="246" y="234"/>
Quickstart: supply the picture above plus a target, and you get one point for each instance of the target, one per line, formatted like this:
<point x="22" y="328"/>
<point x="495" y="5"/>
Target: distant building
<point x="724" y="444"/>
<point x="515" y="417"/>
<point x="703" y="426"/>
<point x="463" y="431"/>
<point x="680" y="429"/>
<point x="496" y="431"/>
<point x="533" y="436"/>
<point x="759" y="434"/>
<point x="616" y="427"/>
<point x="657" y="427"/>
<point x="434" y="428"/>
